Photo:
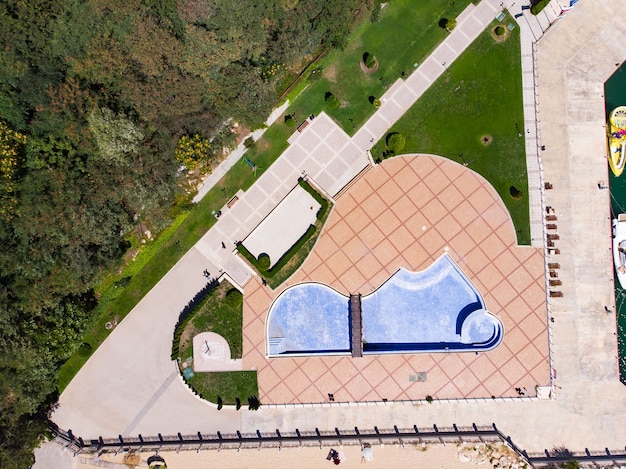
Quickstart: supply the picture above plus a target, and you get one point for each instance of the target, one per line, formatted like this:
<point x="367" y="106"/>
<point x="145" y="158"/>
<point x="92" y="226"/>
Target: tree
<point x="116" y="135"/>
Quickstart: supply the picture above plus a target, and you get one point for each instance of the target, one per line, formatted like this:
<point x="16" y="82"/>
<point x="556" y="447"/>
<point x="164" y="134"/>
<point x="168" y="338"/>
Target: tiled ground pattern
<point x="406" y="212"/>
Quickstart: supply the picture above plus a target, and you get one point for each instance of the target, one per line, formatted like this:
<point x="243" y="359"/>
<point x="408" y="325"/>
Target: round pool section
<point x="435" y="310"/>
<point x="309" y="319"/>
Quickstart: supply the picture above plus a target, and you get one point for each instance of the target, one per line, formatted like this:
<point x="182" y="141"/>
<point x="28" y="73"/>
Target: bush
<point x="395" y="142"/>
<point x="233" y="296"/>
<point x="515" y="193"/>
<point x="369" y="60"/>
<point x="538" y="5"/>
<point x="499" y="30"/>
<point x="84" y="350"/>
<point x="331" y="100"/>
<point x="264" y="262"/>
<point x="248" y="142"/>
<point x="290" y="120"/>
<point x="445" y="23"/>
<point x="376" y="102"/>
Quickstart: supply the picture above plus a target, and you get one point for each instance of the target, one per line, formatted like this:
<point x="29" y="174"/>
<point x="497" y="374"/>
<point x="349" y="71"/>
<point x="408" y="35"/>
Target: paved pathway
<point x="129" y="385"/>
<point x="236" y="155"/>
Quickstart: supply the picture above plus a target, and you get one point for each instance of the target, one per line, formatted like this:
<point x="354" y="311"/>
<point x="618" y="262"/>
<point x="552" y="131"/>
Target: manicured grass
<point x="220" y="312"/>
<point x="480" y="95"/>
<point x="405" y="34"/>
<point x="228" y="385"/>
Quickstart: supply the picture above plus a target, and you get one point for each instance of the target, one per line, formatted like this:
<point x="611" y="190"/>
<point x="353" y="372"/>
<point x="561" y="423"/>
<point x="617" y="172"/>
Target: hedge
<point x="317" y="196"/>
<point x="283" y="260"/>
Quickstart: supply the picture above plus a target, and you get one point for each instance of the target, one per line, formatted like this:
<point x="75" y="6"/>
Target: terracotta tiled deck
<point x="406" y="212"/>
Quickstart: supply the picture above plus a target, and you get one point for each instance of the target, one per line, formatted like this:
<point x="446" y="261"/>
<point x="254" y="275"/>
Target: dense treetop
<point x="95" y="96"/>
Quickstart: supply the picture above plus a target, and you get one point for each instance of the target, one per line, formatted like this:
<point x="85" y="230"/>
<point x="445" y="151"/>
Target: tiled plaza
<point x="407" y="212"/>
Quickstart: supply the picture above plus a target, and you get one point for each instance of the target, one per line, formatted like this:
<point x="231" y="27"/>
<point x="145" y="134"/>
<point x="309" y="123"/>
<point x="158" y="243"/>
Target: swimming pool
<point x="437" y="309"/>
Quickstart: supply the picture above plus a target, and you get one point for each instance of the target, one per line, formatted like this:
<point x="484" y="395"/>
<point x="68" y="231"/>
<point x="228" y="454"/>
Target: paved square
<point x="406" y="212"/>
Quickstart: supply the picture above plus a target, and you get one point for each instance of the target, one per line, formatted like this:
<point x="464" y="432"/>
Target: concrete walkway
<point x="130" y="385"/>
<point x="236" y="155"/>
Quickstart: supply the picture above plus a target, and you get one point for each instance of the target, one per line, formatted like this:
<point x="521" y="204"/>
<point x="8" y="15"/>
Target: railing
<point x="316" y="437"/>
<point x="278" y="439"/>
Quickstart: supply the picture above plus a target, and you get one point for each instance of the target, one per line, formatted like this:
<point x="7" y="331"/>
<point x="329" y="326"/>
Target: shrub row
<point x="324" y="204"/>
<point x="185" y="315"/>
<point x="261" y="265"/>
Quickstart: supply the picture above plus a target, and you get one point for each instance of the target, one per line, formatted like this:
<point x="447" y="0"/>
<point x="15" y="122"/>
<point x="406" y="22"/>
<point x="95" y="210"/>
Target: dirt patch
<point x="486" y="140"/>
<point x="240" y="132"/>
<point x="499" y="33"/>
<point x="370" y="70"/>
<point x="330" y="73"/>
<point x="261" y="145"/>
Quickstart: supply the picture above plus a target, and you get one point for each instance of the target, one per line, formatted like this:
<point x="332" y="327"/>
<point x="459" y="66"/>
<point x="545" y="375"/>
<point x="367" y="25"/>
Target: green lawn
<point x="228" y="385"/>
<point x="480" y="95"/>
<point x="220" y="312"/>
<point x="405" y="34"/>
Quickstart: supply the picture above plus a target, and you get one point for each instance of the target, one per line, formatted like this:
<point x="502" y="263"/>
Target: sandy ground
<point x="389" y="456"/>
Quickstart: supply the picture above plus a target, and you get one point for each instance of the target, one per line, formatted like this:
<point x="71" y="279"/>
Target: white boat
<point x="619" y="247"/>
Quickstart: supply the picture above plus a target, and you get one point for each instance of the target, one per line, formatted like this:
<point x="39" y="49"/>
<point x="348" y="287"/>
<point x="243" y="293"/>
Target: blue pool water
<point x="309" y="318"/>
<point x="434" y="310"/>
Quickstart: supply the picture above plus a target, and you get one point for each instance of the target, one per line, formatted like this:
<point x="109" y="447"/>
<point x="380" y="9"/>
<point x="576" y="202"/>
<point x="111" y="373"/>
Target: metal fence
<point x="277" y="439"/>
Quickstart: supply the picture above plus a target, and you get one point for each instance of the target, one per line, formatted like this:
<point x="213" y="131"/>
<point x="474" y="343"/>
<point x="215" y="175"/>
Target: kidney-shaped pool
<point x="437" y="309"/>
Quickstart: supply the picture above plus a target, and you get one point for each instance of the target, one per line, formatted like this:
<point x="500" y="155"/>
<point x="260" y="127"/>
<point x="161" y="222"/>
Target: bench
<point x="302" y="126"/>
